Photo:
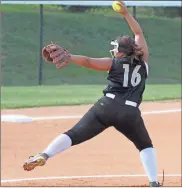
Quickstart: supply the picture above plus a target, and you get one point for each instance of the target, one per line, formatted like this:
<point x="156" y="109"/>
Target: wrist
<point x="125" y="14"/>
<point x="71" y="58"/>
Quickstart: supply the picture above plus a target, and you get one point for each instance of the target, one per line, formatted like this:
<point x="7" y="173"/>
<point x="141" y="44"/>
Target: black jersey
<point x="127" y="79"/>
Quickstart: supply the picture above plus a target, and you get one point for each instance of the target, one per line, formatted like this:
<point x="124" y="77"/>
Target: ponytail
<point x="137" y="53"/>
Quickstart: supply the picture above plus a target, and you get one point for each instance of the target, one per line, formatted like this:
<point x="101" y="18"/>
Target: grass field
<point x="21" y="97"/>
<point x="82" y="33"/>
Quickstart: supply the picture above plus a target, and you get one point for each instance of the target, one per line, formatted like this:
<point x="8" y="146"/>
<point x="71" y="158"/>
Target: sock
<point x="58" y="145"/>
<point x="149" y="161"/>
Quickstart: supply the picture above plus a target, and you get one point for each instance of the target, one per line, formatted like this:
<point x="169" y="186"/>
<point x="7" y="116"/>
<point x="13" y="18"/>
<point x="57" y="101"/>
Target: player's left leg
<point x="88" y="127"/>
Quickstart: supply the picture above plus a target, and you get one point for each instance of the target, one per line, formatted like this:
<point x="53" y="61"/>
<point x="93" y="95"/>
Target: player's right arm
<point x="139" y="36"/>
<point x="137" y="31"/>
<point x="101" y="64"/>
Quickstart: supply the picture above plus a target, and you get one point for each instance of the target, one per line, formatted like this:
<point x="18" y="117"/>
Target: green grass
<point x="35" y="96"/>
<point x="82" y="33"/>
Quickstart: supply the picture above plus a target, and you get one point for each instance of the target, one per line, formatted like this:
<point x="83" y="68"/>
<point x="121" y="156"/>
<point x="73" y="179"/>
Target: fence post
<point x="41" y="45"/>
<point x="134" y="14"/>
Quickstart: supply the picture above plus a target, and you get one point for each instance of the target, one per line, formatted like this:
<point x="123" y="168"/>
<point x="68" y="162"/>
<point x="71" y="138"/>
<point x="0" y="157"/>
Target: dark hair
<point x="128" y="46"/>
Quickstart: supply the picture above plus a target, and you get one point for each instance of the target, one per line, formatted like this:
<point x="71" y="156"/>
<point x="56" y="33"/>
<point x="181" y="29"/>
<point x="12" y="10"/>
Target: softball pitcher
<point x="119" y="105"/>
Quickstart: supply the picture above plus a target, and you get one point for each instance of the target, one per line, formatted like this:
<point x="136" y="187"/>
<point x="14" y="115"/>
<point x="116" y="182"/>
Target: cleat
<point x="154" y="184"/>
<point x="33" y="161"/>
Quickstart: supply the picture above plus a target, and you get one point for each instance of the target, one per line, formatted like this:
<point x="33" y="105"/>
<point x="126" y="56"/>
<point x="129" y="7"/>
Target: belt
<point x="127" y="102"/>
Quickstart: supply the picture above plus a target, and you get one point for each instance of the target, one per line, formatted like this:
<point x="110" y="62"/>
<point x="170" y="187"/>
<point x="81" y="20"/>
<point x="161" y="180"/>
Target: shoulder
<point x="121" y="60"/>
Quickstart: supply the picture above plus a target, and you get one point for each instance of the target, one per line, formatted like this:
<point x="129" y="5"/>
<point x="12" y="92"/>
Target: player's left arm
<point x="61" y="58"/>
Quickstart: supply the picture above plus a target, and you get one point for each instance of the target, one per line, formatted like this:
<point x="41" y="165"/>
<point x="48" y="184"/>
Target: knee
<point x="72" y="136"/>
<point x="143" y="145"/>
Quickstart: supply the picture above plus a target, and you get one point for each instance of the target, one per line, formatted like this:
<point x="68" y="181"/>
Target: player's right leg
<point x="132" y="126"/>
<point x="88" y="127"/>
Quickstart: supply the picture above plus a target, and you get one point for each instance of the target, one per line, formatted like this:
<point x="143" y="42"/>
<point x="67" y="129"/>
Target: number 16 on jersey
<point x="135" y="76"/>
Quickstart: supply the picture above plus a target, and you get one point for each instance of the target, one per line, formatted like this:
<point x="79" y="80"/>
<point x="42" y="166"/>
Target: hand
<point x="123" y="9"/>
<point x="56" y="54"/>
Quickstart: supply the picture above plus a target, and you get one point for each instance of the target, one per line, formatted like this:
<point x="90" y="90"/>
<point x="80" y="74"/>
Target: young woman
<point x="128" y="71"/>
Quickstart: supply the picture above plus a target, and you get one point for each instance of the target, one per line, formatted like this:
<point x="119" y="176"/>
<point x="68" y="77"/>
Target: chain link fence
<point x="85" y="31"/>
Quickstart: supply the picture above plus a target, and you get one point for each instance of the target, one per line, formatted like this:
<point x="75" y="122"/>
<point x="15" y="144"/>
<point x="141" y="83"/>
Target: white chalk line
<point x="84" y="177"/>
<point x="80" y="116"/>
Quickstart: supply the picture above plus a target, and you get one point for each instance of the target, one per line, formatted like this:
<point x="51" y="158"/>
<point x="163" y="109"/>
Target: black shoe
<point x="154" y="184"/>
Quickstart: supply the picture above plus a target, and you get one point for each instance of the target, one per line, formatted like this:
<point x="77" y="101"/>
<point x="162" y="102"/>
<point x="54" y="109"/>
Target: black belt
<point x="126" y="102"/>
